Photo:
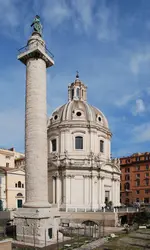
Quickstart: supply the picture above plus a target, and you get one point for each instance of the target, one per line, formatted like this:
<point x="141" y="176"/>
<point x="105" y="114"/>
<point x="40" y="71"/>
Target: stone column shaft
<point x="36" y="134"/>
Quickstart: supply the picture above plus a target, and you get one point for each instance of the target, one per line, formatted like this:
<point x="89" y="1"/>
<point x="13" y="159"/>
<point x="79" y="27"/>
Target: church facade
<point x="81" y="174"/>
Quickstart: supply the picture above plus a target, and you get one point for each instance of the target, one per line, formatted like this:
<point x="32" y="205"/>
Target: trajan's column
<point x="37" y="221"/>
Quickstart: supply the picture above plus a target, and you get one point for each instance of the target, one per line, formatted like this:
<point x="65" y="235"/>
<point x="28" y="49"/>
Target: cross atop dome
<point x="77" y="90"/>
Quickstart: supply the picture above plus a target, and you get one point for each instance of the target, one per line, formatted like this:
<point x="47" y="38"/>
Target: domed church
<point x="81" y="174"/>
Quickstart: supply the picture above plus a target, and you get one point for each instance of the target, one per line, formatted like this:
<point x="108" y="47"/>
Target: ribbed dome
<point x="79" y="110"/>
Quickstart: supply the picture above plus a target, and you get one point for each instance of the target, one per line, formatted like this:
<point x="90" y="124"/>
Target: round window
<point x="78" y="113"/>
<point x="99" y="119"/>
<point x="55" y="117"/>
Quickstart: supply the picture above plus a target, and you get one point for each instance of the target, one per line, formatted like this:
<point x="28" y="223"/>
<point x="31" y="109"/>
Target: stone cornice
<point x="77" y="124"/>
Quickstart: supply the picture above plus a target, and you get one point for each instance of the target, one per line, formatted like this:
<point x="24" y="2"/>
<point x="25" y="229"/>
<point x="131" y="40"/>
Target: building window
<point x="137" y="191"/>
<point x="127" y="170"/>
<point x="147" y="167"/>
<point x="137" y="168"/>
<point x="16" y="185"/>
<point x="72" y="93"/>
<point x="127" y="201"/>
<point x="1" y="205"/>
<point x="137" y="200"/>
<point x="137" y="158"/>
<point x="146" y="158"/>
<point x="22" y="185"/>
<point x="78" y="142"/>
<point x="147" y="175"/>
<point x="54" y="147"/>
<point x="138" y="183"/>
<point x="7" y="165"/>
<point x="137" y="175"/>
<point x="78" y="92"/>
<point x="127" y="186"/>
<point x="19" y="195"/>
<point x="146" y="182"/>
<point x="101" y="146"/>
<point x="19" y="184"/>
<point x="127" y="177"/>
<point x="146" y="191"/>
<point x="146" y="200"/>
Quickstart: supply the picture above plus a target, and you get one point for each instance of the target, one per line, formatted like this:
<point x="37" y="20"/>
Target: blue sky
<point x="107" y="41"/>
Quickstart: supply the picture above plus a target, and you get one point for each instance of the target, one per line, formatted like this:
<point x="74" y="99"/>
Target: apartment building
<point x="135" y="178"/>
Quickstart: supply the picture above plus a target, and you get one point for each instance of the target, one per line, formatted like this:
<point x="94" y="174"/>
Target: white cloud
<point x="8" y="13"/>
<point x="141" y="133"/>
<point x="124" y="100"/>
<point x="139" y="107"/>
<point x="87" y="16"/>
<point x="107" y="25"/>
<point x="83" y="15"/>
<point x="55" y="12"/>
<point x="138" y="60"/>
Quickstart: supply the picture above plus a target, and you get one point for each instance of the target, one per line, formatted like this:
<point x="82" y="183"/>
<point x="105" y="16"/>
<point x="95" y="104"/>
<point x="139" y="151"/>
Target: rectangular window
<point x="54" y="146"/>
<point x="146" y="200"/>
<point x="127" y="177"/>
<point x="101" y="146"/>
<point x="50" y="233"/>
<point x="7" y="165"/>
<point x="147" y="167"/>
<point x="137" y="158"/>
<point x="146" y="182"/>
<point x="138" y="183"/>
<point x="146" y="158"/>
<point x="137" y="175"/>
<point x="78" y="142"/>
<point x="137" y="168"/>
<point x="146" y="191"/>
<point x="127" y="170"/>
<point x="147" y="175"/>
<point x="137" y="199"/>
<point x="106" y="196"/>
<point x="137" y="191"/>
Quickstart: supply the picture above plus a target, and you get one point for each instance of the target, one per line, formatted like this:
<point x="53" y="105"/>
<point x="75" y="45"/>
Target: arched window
<point x="78" y="142"/>
<point x="101" y="146"/>
<point x="72" y="93"/>
<point x="16" y="185"/>
<point x="78" y="92"/>
<point x="127" y="186"/>
<point x="19" y="184"/>
<point x="19" y="195"/>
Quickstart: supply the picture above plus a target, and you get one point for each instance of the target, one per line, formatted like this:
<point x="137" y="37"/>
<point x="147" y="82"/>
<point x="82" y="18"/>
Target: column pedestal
<point x="36" y="226"/>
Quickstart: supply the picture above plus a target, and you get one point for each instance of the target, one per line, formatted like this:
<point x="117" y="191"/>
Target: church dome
<point x="77" y="108"/>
